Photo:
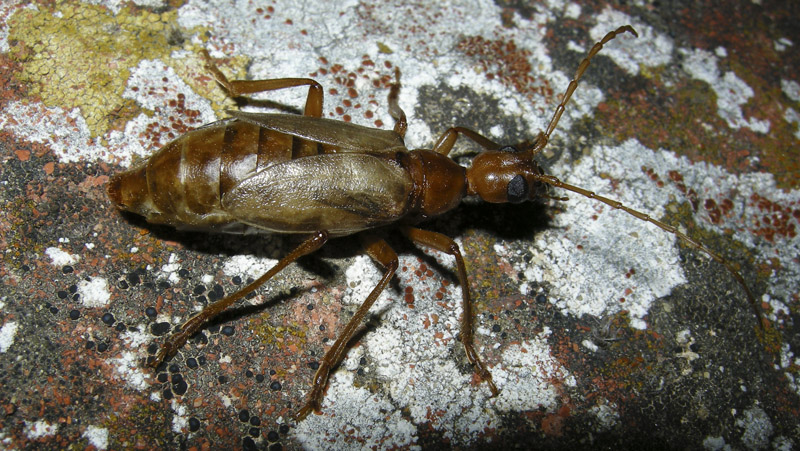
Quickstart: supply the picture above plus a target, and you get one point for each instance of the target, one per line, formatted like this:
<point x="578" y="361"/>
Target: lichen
<point x="80" y="56"/>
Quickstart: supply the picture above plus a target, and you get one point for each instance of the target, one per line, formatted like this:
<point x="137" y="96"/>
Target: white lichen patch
<point x="757" y="428"/>
<point x="66" y="132"/>
<point x="248" y="266"/>
<point x="127" y="369"/>
<point x="354" y="419"/>
<point x="7" y="334"/>
<point x="94" y="292"/>
<point x="180" y="421"/>
<point x="527" y="374"/>
<point x="59" y="258"/>
<point x="39" y="429"/>
<point x="97" y="436"/>
<point x="590" y="249"/>
<point x="170" y="269"/>
<point x="732" y="92"/>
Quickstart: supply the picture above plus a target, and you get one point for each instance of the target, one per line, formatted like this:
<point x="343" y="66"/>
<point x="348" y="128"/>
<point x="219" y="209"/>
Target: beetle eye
<point x="509" y="149"/>
<point x="517" y="190"/>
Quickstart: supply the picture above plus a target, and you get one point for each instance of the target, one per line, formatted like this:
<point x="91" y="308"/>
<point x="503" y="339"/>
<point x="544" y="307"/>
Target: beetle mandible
<point x="323" y="178"/>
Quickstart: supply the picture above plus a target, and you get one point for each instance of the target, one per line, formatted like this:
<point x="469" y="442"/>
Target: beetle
<point x="322" y="178"/>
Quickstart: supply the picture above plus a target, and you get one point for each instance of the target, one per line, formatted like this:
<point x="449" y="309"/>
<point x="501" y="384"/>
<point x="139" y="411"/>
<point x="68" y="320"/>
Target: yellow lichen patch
<point x="80" y="55"/>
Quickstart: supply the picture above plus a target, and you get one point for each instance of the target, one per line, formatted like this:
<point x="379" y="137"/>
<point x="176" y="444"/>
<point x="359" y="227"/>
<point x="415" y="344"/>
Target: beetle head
<point x="505" y="175"/>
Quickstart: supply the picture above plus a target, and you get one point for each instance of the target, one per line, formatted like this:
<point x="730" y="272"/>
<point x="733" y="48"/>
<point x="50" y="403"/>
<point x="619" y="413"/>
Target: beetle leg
<point x="401" y="124"/>
<point x="445" y="142"/>
<point x="380" y="252"/>
<point x="444" y="244"/>
<point x="194" y="324"/>
<point x="236" y="88"/>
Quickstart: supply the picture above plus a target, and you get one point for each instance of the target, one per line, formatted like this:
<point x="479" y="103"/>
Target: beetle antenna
<point x="554" y="181"/>
<point x="544" y="138"/>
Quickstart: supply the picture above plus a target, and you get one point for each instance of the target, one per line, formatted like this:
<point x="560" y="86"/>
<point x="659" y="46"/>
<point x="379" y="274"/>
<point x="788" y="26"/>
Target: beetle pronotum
<point x="323" y="178"/>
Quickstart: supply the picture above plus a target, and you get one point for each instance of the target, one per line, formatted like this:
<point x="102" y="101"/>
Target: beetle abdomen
<point x="182" y="184"/>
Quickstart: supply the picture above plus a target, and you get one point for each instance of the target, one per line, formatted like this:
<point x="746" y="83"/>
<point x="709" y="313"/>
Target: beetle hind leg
<point x="397" y="113"/>
<point x="190" y="327"/>
<point x="382" y="253"/>
<point x="236" y="88"/>
<point x="445" y="244"/>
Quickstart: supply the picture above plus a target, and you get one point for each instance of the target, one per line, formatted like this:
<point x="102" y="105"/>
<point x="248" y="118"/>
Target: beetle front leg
<point x="380" y="251"/>
<point x="445" y="244"/>
<point x="190" y="327"/>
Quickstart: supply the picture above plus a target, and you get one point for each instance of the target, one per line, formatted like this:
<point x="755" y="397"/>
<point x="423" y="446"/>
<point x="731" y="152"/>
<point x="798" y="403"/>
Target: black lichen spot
<point x="133" y="279"/>
<point x="159" y="329"/>
<point x="150" y="312"/>
<point x="179" y="385"/>
<point x="74" y="314"/>
<point x="248" y="444"/>
<point x="108" y="319"/>
<point x="227" y="331"/>
<point x="194" y="424"/>
<point x="275" y="385"/>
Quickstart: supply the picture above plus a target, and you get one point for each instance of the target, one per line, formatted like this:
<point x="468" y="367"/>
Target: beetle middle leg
<point x="194" y="324"/>
<point x="382" y="253"/>
<point x="445" y="244"/>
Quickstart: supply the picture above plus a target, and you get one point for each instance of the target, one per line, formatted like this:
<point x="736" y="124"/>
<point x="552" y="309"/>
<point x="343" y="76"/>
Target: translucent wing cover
<point x="342" y="193"/>
<point x="344" y="136"/>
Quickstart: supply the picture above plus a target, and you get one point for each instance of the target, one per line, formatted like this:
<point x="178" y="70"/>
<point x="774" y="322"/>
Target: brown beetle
<point x="324" y="178"/>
